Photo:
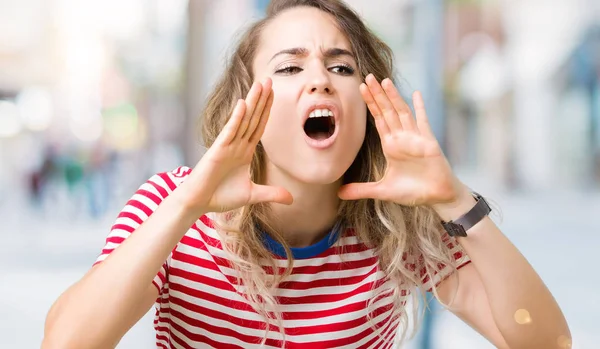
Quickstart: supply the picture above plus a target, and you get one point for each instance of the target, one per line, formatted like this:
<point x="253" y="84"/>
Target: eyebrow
<point x="301" y="51"/>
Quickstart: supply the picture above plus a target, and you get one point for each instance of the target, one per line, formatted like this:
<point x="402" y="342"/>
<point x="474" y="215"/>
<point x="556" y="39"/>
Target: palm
<point x="233" y="191"/>
<point x="415" y="165"/>
<point x="417" y="171"/>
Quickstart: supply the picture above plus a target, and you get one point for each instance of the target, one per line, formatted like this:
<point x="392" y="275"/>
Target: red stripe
<point x="393" y="331"/>
<point x="308" y="285"/>
<point x="223" y="331"/>
<point x="140" y="206"/>
<point x="380" y="338"/>
<point x="214" y="314"/>
<point x="205" y="237"/>
<point x="196" y="338"/>
<point x="254" y="324"/>
<point x="209" y="297"/>
<point x="158" y="188"/>
<point x="123" y="227"/>
<point x="295" y="285"/>
<point x="345" y="265"/>
<point x="353" y="248"/>
<point x="207" y="221"/>
<point x="322" y="298"/>
<point x="194" y="323"/>
<point x="340" y="341"/>
<point x="132" y="216"/>
<point x="149" y="195"/>
<point x="188" y="275"/>
<point x="334" y="297"/>
<point x="165" y="177"/>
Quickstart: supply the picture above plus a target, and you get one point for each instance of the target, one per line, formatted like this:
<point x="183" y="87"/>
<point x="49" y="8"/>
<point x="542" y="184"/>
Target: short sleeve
<point x="442" y="271"/>
<point x="137" y="210"/>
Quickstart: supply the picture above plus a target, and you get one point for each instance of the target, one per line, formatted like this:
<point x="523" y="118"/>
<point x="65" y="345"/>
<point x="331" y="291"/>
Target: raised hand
<point x="417" y="172"/>
<point x="221" y="179"/>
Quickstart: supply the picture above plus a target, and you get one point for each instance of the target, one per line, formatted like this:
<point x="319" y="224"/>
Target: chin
<point x="319" y="173"/>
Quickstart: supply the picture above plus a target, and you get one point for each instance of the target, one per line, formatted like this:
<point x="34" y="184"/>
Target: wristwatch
<point x="459" y="227"/>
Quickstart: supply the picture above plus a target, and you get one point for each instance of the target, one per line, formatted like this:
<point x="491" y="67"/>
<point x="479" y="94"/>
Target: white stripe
<point x="146" y="201"/>
<point x="126" y="221"/>
<point x="348" y="257"/>
<point x="202" y="331"/>
<point x="328" y="290"/>
<point x="304" y="338"/>
<point x="248" y="315"/>
<point x="245" y="315"/>
<point x="366" y="339"/>
<point x="201" y="253"/>
<point x="383" y="339"/>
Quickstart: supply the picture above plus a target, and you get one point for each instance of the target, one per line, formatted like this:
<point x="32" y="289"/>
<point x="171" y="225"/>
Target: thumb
<point x="267" y="193"/>
<point x="355" y="191"/>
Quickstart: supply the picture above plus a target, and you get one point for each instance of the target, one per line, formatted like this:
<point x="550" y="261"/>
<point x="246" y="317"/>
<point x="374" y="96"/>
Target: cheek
<point x="359" y="114"/>
<point x="280" y="125"/>
<point x="278" y="116"/>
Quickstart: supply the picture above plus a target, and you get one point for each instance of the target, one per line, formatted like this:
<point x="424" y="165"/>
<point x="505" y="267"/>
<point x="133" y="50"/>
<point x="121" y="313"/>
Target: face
<point x="318" y="119"/>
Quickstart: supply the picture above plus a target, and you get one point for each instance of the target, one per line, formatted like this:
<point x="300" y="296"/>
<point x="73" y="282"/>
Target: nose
<point x="319" y="81"/>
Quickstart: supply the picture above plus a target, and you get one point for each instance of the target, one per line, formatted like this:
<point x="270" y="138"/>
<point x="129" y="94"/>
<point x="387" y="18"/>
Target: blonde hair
<point x="397" y="233"/>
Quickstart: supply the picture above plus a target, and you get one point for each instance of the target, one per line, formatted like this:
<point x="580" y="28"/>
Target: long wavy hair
<point x="396" y="233"/>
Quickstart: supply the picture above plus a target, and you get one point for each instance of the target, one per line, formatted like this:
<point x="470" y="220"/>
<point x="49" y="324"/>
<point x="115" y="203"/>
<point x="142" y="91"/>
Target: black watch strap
<point x="459" y="226"/>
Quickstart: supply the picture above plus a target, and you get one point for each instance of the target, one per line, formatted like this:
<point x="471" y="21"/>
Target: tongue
<point x="319" y="135"/>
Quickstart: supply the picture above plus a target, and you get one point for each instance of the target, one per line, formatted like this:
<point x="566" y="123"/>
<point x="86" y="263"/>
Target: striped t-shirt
<point x="323" y="302"/>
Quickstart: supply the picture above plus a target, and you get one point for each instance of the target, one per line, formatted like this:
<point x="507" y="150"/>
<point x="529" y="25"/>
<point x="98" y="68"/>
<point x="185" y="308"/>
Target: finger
<point x="262" y="120"/>
<point x="422" y="120"/>
<point x="400" y="105"/>
<point x="380" y="123"/>
<point x="233" y="125"/>
<point x="356" y="191"/>
<point x="384" y="103"/>
<point x="257" y="113"/>
<point x="251" y="101"/>
<point x="266" y="193"/>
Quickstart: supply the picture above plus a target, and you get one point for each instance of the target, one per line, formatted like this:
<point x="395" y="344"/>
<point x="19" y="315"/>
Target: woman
<point x="311" y="229"/>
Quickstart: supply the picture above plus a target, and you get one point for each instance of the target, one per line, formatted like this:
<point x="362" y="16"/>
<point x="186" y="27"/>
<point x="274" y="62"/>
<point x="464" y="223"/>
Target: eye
<point x="342" y="69"/>
<point x="288" y="70"/>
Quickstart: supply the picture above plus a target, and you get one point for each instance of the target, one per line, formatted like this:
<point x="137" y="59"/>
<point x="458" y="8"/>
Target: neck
<point x="312" y="214"/>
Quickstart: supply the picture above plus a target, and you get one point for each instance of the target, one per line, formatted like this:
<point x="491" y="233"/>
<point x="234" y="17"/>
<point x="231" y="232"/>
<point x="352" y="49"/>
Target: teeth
<point x="317" y="113"/>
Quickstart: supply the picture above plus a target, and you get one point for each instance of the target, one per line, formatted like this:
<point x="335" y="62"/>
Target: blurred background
<point x="96" y="96"/>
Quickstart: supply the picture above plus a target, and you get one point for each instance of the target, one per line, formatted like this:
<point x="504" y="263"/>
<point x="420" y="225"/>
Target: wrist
<point x="186" y="204"/>
<point x="454" y="209"/>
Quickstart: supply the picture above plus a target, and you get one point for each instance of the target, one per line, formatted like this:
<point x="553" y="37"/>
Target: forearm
<point x="100" y="308"/>
<point x="523" y="308"/>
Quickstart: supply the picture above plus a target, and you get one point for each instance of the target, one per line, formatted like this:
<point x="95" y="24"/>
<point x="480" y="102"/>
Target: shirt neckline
<point x="310" y="251"/>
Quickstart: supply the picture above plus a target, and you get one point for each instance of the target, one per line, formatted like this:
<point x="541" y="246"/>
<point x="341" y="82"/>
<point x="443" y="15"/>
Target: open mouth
<point x="320" y="124"/>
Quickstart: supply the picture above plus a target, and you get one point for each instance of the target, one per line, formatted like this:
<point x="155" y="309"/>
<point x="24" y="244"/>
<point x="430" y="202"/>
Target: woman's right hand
<point x="221" y="179"/>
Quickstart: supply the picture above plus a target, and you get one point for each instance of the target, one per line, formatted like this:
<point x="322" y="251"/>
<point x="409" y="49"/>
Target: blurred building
<point x="90" y="82"/>
<point x="512" y="92"/>
<point x="509" y="116"/>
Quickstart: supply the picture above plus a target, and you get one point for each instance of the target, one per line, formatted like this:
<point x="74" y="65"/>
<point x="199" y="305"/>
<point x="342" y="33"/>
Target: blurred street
<point x="558" y="232"/>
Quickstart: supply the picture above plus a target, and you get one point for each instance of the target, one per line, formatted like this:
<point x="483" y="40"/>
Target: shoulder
<point x="155" y="189"/>
<point x="164" y="183"/>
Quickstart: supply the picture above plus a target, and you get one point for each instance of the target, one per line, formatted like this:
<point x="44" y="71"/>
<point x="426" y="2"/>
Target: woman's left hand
<point x="417" y="171"/>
